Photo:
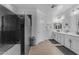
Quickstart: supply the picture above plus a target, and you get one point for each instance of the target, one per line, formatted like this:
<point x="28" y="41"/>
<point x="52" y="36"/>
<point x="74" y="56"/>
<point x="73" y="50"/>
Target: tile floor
<point x="50" y="47"/>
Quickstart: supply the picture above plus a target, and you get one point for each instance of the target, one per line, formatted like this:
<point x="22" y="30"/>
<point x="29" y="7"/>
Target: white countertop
<point x="72" y="34"/>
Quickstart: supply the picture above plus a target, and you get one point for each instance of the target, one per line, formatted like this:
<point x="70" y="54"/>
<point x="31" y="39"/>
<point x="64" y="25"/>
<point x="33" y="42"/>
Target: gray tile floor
<point x="4" y="48"/>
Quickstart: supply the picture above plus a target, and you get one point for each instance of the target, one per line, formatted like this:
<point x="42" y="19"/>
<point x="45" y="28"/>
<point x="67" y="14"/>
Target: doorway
<point x="17" y="29"/>
<point x="26" y="31"/>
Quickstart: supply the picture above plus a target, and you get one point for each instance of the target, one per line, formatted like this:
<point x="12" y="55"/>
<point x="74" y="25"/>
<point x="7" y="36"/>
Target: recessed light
<point x="53" y="5"/>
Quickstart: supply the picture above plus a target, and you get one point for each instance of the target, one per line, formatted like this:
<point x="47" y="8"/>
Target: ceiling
<point x="31" y="7"/>
<point x="43" y="7"/>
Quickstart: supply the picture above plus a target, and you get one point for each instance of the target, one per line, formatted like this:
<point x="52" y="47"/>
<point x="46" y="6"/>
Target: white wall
<point x="43" y="31"/>
<point x="28" y="11"/>
<point x="39" y="12"/>
<point x="70" y="19"/>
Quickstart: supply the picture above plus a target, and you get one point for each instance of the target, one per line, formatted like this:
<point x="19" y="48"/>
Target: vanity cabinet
<point x="56" y="37"/>
<point x="59" y="38"/>
<point x="62" y="41"/>
<point x="53" y="35"/>
<point x="68" y="41"/>
<point x="75" y="44"/>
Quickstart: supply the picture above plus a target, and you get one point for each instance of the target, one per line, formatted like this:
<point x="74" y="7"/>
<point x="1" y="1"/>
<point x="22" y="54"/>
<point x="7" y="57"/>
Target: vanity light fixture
<point x="74" y="12"/>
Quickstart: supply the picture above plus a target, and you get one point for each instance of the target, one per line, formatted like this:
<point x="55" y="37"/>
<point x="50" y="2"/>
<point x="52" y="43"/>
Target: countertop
<point x="68" y="33"/>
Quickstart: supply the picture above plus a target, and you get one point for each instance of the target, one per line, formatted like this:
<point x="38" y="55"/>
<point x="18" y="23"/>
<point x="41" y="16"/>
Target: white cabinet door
<point x="53" y="35"/>
<point x="56" y="36"/>
<point x="68" y="41"/>
<point x="62" y="41"/>
<point x="59" y="37"/>
<point x="75" y="44"/>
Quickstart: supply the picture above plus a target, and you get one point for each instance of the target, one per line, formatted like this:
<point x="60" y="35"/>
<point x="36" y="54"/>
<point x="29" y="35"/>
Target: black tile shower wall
<point x="9" y="37"/>
<point x="10" y="29"/>
<point x="0" y="37"/>
<point x="3" y="11"/>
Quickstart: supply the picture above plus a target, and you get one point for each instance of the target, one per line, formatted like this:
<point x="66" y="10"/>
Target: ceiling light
<point x="53" y="5"/>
